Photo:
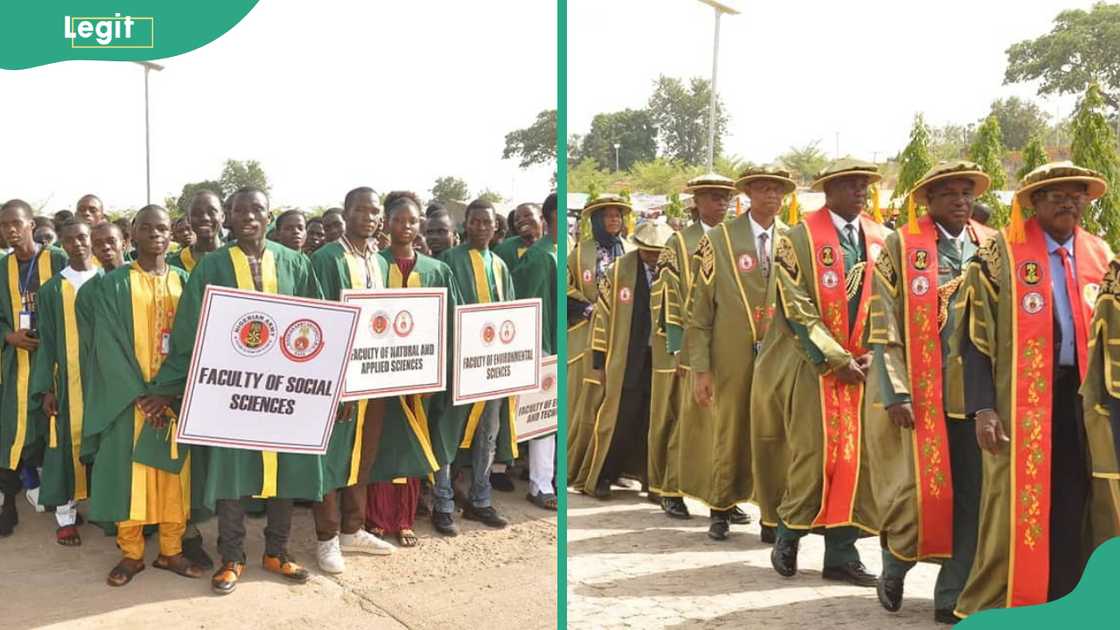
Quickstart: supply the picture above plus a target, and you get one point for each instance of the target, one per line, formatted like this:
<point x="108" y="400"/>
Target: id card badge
<point x="25" y="320"/>
<point x="165" y="342"/>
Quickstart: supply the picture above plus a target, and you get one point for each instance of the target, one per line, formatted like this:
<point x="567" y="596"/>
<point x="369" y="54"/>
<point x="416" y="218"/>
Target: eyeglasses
<point x="1059" y="198"/>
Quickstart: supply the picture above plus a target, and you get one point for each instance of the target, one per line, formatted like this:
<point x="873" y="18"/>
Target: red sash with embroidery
<point x="1032" y="396"/>
<point x="841" y="404"/>
<point x="933" y="475"/>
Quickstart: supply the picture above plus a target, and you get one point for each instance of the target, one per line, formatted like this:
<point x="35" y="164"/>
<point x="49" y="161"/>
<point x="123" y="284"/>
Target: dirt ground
<point x="475" y="580"/>
<point x="630" y="566"/>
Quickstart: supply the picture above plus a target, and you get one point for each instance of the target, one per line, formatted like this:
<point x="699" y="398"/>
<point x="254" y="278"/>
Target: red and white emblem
<point x="507" y="331"/>
<point x="920" y="285"/>
<point x="1033" y="302"/>
<point x="588" y="276"/>
<point x="829" y="279"/>
<point x="625" y="295"/>
<point x="254" y="334"/>
<point x="302" y="341"/>
<point x="746" y="262"/>
<point x="379" y="324"/>
<point x="489" y="332"/>
<point x="403" y="324"/>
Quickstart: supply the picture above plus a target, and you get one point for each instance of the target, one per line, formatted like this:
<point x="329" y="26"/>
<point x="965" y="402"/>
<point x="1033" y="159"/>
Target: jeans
<point x="231" y="528"/>
<point x="482" y="457"/>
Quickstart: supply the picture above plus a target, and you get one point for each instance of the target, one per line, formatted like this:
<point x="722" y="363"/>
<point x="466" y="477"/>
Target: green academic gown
<point x="478" y="285"/>
<point x="535" y="276"/>
<point x="57" y="367"/>
<point x="895" y="450"/>
<point x="337" y="270"/>
<point x="787" y="427"/>
<point x="592" y="430"/>
<point x="115" y="382"/>
<point x="185" y="259"/>
<point x="231" y="473"/>
<point x="20" y="425"/>
<point x="415" y="438"/>
<point x="511" y="250"/>
<point x="729" y="312"/>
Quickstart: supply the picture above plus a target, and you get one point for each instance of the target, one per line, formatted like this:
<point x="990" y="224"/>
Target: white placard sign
<point x="537" y="413"/>
<point x="266" y="372"/>
<point x="497" y="350"/>
<point x="401" y="343"/>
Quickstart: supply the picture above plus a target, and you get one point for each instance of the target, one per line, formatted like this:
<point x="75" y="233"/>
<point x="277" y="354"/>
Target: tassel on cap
<point x="1016" y="229"/>
<point x="794" y="215"/>
<point x="912" y="215"/>
<point x="876" y="209"/>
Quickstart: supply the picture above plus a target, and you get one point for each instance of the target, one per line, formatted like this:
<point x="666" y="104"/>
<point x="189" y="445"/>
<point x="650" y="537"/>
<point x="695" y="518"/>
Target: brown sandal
<point x="123" y="573"/>
<point x="407" y="538"/>
<point x="68" y="536"/>
<point x="179" y="565"/>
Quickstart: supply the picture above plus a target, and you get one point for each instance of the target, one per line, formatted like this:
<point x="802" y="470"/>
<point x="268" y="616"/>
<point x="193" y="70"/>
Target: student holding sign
<point x="489" y="433"/>
<point x="22" y="272"/>
<point x="255" y="264"/>
<point x="140" y="475"/>
<point x="535" y="276"/>
<point x="417" y="438"/>
<point x="350" y="263"/>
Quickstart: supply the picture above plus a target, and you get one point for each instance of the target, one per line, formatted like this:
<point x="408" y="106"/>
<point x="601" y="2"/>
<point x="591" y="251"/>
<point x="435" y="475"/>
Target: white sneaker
<point x="32" y="497"/>
<point x="330" y="557"/>
<point x="362" y="541"/>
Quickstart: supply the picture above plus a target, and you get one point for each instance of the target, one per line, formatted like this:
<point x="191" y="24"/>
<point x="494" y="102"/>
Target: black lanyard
<point x="30" y="270"/>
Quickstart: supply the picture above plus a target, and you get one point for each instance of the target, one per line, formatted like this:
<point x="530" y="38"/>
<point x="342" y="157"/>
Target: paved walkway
<point x="630" y="566"/>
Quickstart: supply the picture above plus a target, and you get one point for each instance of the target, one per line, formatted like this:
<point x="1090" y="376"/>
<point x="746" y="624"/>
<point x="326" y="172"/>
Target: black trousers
<point x="629" y="442"/>
<point x="1070" y="485"/>
<point x="231" y="528"/>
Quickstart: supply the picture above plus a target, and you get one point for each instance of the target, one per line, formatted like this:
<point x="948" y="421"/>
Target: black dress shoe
<point x="193" y="551"/>
<point x="853" y="573"/>
<point x="944" y="615"/>
<point x="675" y="507"/>
<point x="488" y="516"/>
<point x="443" y="523"/>
<point x="719" y="529"/>
<point x="500" y="481"/>
<point x="738" y="516"/>
<point x="603" y="489"/>
<point x="767" y="536"/>
<point x="890" y="593"/>
<point x="783" y="557"/>
<point x="653" y="498"/>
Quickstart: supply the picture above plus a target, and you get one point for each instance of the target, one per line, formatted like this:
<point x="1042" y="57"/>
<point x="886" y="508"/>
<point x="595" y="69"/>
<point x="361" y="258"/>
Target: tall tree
<point x="535" y="144"/>
<point x="915" y="160"/>
<point x="491" y="196"/>
<point x="450" y="189"/>
<point x="987" y="151"/>
<point x="1018" y="121"/>
<point x="1083" y="47"/>
<point x="661" y="176"/>
<point x="681" y="115"/>
<point x="237" y="173"/>
<point x="951" y="141"/>
<point x="1094" y="146"/>
<point x="805" y="162"/>
<point x="1034" y="156"/>
<point x="180" y="203"/>
<point x="631" y="129"/>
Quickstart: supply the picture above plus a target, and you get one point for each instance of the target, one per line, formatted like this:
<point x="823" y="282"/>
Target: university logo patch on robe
<point x="1090" y="292"/>
<point x="587" y="275"/>
<point x="827" y="256"/>
<point x="1029" y="272"/>
<point x="920" y="259"/>
<point x="625" y="295"/>
<point x="746" y="263"/>
<point x="1033" y="302"/>
<point x="830" y="278"/>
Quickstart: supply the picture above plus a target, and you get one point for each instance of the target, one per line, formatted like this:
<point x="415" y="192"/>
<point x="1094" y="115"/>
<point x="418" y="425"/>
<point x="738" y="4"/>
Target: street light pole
<point x="148" y="67"/>
<point x="616" y="145"/>
<point x="720" y="8"/>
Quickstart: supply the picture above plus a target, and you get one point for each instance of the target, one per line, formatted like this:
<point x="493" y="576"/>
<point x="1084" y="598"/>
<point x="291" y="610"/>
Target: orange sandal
<point x="286" y="568"/>
<point x="225" y="580"/>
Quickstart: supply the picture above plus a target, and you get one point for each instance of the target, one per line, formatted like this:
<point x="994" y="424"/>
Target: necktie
<point x="850" y="235"/>
<point x="764" y="254"/>
<point x="1073" y="292"/>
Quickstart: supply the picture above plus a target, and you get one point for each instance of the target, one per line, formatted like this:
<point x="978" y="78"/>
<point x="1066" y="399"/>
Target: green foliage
<point x="586" y="177"/>
<point x="661" y="176"/>
<point x="535" y="144"/>
<point x="179" y="206"/>
<point x="730" y="165"/>
<point x="916" y="159"/>
<point x="680" y="114"/>
<point x="1094" y="146"/>
<point x="804" y="162"/>
<point x="237" y="173"/>
<point x="491" y="196"/>
<point x="675" y="208"/>
<point x="987" y="151"/>
<point x="1018" y="121"/>
<point x="1082" y="48"/>
<point x="632" y="129"/>
<point x="1034" y="156"/>
<point x="450" y="188"/>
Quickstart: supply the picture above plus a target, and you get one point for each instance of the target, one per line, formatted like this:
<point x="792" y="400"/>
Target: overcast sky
<point x="795" y="71"/>
<point x="384" y="94"/>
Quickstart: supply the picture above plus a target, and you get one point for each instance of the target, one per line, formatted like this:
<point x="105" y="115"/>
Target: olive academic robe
<point x="336" y="270"/>
<point x="232" y="473"/>
<point x="20" y="425"/>
<point x="417" y="437"/>
<point x="131" y="454"/>
<point x="475" y="288"/>
<point x="729" y="312"/>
